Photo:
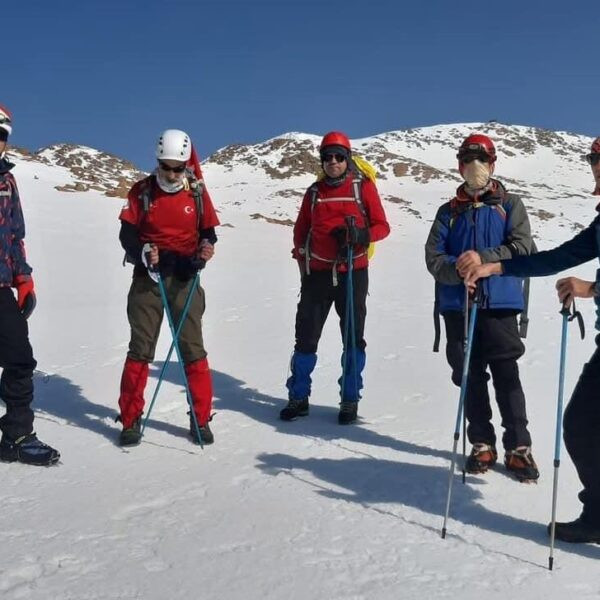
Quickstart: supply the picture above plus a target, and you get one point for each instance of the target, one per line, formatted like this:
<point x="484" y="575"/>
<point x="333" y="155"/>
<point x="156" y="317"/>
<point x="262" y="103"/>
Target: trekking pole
<point x="464" y="416"/>
<point x="349" y="329"/>
<point x="165" y="301"/>
<point x="567" y="316"/>
<point x="461" y="400"/>
<point x="182" y="318"/>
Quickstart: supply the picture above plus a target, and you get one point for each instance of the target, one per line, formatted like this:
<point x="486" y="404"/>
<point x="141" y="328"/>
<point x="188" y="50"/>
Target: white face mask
<point x="170" y="187"/>
<point x="476" y="174"/>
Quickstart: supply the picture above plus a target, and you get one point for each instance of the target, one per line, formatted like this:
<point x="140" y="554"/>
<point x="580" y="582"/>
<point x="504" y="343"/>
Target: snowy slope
<point x="283" y="510"/>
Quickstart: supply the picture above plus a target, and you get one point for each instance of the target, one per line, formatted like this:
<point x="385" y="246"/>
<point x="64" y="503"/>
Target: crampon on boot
<point x="131" y="436"/>
<point x="206" y="435"/>
<point x="520" y="463"/>
<point x="28" y="450"/>
<point x="482" y="458"/>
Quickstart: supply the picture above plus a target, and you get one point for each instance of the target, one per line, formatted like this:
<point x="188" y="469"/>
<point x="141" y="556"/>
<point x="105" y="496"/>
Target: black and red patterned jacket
<point x="12" y="228"/>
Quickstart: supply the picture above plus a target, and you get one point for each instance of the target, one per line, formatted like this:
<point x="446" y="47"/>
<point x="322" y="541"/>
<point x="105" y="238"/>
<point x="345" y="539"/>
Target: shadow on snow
<point x="366" y="480"/>
<point x="60" y="397"/>
<point x="371" y="481"/>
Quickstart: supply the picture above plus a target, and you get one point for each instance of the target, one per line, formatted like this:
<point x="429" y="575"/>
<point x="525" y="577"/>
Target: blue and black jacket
<point x="12" y="228"/>
<point x="496" y="226"/>
<point x="583" y="247"/>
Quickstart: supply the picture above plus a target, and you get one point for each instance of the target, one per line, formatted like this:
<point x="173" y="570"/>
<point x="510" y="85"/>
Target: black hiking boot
<point x="131" y="436"/>
<point x="579" y="531"/>
<point x="206" y="435"/>
<point x="348" y="413"/>
<point x="482" y="458"/>
<point x="520" y="462"/>
<point x="28" y="450"/>
<point x="294" y="409"/>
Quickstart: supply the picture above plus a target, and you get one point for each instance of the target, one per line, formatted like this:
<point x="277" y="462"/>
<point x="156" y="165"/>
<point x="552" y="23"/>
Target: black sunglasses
<point x="328" y="157"/>
<point x="593" y="158"/>
<point x="469" y="157"/>
<point x="178" y="169"/>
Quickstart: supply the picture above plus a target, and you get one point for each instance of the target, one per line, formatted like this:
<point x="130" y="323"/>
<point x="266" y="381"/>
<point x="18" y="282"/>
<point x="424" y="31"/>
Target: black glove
<point x="351" y="235"/>
<point x="197" y="263"/>
<point x="186" y="267"/>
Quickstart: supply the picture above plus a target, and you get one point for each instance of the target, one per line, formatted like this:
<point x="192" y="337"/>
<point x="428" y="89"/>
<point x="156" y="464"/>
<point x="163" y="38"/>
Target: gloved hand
<point x="150" y="256"/>
<point x="351" y="235"/>
<point x="25" y="294"/>
<point x="205" y="252"/>
<point x="197" y="263"/>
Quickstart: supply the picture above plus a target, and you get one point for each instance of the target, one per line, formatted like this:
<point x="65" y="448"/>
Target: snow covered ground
<point x="273" y="510"/>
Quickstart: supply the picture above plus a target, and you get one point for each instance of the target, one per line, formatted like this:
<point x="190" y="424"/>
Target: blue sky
<point x="112" y="75"/>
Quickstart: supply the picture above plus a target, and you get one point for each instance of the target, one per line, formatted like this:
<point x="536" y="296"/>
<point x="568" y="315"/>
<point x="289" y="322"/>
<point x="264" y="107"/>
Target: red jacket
<point x="332" y="206"/>
<point x="171" y="221"/>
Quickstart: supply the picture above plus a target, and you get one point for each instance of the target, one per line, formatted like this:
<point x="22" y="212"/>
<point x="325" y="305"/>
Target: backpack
<point x="191" y="183"/>
<point x="498" y="205"/>
<point x="361" y="170"/>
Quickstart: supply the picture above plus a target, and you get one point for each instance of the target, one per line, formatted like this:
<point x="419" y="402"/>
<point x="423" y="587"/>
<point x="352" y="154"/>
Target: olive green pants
<point x="145" y="314"/>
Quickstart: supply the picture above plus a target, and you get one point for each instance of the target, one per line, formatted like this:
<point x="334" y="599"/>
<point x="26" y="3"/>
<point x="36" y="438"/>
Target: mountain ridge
<point x="417" y="170"/>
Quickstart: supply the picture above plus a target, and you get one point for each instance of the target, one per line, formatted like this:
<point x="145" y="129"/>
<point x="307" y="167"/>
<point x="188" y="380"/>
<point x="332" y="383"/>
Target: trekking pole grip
<point x="571" y="314"/>
<point x="350" y="225"/>
<point x="478" y="293"/>
<point x="577" y="315"/>
<point x="147" y="248"/>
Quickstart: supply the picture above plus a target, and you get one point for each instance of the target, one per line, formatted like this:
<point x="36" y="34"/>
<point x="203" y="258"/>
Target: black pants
<point x="17" y="362"/>
<point x="496" y="345"/>
<point x="316" y="297"/>
<point x="582" y="434"/>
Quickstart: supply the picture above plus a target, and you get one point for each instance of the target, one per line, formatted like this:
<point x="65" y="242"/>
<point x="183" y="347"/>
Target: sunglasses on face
<point x="178" y="169"/>
<point x="326" y="158"/>
<point x="470" y="157"/>
<point x="593" y="158"/>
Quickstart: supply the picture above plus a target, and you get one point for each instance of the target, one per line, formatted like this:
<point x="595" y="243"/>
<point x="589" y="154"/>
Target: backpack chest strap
<point x="314" y="200"/>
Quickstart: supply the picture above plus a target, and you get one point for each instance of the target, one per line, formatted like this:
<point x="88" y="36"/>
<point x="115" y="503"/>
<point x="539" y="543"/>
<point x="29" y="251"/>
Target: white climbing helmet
<point x="174" y="144"/>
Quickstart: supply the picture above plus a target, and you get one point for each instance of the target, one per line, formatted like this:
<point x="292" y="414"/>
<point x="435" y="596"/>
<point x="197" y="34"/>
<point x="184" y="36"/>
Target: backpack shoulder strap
<point x="146" y="193"/>
<point x="524" y="316"/>
<point x="455" y="210"/>
<point x="499" y="199"/>
<point x="357" y="182"/>
<point x="436" y="319"/>
<point x="314" y="195"/>
<point x="197" y="188"/>
<point x="313" y="190"/>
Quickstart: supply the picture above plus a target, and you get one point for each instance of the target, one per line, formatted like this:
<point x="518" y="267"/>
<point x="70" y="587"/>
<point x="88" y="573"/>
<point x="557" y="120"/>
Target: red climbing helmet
<point x="335" y="138"/>
<point x="477" y="144"/>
